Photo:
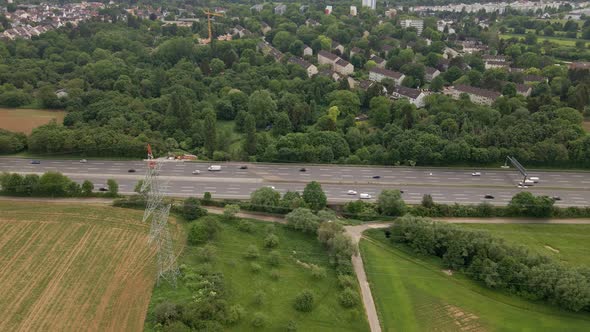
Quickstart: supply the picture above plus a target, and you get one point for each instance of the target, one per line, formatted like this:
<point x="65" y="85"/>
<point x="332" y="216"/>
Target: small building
<point x="496" y="65"/>
<point x="257" y="8"/>
<point x="268" y="49"/>
<point x="523" y="89"/>
<point x="280" y="9"/>
<point x="378" y="61"/>
<point x="430" y="73"/>
<point x="327" y="58"/>
<point x="414" y="96"/>
<point x="336" y="46"/>
<point x="449" y="53"/>
<point x="61" y="93"/>
<point x="378" y="74"/>
<point x="386" y="49"/>
<point x="330" y="74"/>
<point x="265" y="28"/>
<point x="476" y="95"/>
<point x="355" y="50"/>
<point x="343" y="67"/>
<point x="497" y="58"/>
<point x="533" y="79"/>
<point x="309" y="68"/>
<point x="353" y="11"/>
<point x="307" y="50"/>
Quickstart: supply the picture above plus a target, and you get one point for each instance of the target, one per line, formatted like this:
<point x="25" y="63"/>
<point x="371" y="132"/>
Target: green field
<point x="296" y="250"/>
<point x="558" y="40"/>
<point x="414" y="293"/>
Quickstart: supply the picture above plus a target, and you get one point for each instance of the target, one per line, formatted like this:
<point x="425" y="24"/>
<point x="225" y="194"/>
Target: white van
<point x="365" y="196"/>
<point x="527" y="182"/>
<point x="214" y="168"/>
<point x="534" y="179"/>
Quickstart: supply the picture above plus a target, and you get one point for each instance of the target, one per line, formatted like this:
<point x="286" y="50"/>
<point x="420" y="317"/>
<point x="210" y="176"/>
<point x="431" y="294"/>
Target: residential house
<point x="353" y="11"/>
<point x="257" y="8"/>
<point x="449" y="53"/>
<point x="330" y="74"/>
<point x="327" y="58"/>
<point x="307" y="50"/>
<point x="414" y="96"/>
<point x="379" y="61"/>
<point x="498" y="58"/>
<point x="61" y="93"/>
<point x="355" y="50"/>
<point x="343" y="67"/>
<point x="378" y="74"/>
<point x="309" y="68"/>
<point x="268" y="49"/>
<point x="533" y="79"/>
<point x="497" y="65"/>
<point x="386" y="49"/>
<point x="473" y="46"/>
<point x="476" y="95"/>
<point x="430" y="73"/>
<point x="336" y="46"/>
<point x="240" y="31"/>
<point x="369" y="3"/>
<point x="523" y="89"/>
<point x="580" y="65"/>
<point x="365" y="84"/>
<point x="312" y="23"/>
<point x="280" y="9"/>
<point x="265" y="28"/>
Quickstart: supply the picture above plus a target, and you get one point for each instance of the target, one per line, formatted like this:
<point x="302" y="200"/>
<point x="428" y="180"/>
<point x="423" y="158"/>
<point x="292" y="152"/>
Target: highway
<point x="446" y="185"/>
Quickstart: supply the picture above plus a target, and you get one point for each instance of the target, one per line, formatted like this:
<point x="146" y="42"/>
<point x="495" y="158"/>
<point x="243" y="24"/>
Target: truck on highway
<point x="214" y="168"/>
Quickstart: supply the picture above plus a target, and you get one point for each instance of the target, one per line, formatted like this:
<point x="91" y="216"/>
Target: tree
<point x="390" y="203"/>
<point x="265" y="197"/>
<point x="191" y="209"/>
<point x="303" y="219"/>
<point x="437" y="84"/>
<point x="217" y="66"/>
<point x="230" y="211"/>
<point x="87" y="187"/>
<point x="206" y="229"/>
<point x="54" y="184"/>
<point x="262" y="107"/>
<point x="271" y="241"/>
<point x="304" y="301"/>
<point x="427" y="201"/>
<point x="113" y="188"/>
<point x="210" y="124"/>
<point x="314" y="196"/>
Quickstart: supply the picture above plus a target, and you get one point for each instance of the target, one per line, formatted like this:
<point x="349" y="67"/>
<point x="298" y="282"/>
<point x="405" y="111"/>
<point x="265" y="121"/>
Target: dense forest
<point x="136" y="81"/>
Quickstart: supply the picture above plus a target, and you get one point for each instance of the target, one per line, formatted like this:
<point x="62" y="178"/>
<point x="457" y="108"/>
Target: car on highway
<point x="196" y="172"/>
<point x="102" y="189"/>
<point x="83" y="161"/>
<point x="351" y="192"/>
<point x="556" y="198"/>
<point x="520" y="186"/>
<point x="476" y="174"/>
<point x="214" y="168"/>
<point x="365" y="196"/>
<point x="35" y="162"/>
<point x="535" y="179"/>
<point x="488" y="196"/>
<point x="243" y="167"/>
<point x="271" y="187"/>
<point x="526" y="183"/>
<point x="376" y="176"/>
<point x="302" y="170"/>
<point x="131" y="170"/>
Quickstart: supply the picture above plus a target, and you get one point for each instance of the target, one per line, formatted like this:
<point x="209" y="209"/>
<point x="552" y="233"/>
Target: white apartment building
<point x="370" y="3"/>
<point x="418" y="24"/>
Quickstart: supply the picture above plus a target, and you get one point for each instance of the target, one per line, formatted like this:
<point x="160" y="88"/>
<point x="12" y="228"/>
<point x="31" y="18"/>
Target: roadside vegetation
<point x="418" y="292"/>
<point x="52" y="184"/>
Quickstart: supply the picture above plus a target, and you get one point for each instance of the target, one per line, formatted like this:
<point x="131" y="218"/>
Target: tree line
<point x="52" y="184"/>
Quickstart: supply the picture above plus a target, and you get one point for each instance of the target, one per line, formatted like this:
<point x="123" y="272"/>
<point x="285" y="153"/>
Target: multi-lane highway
<point x="444" y="184"/>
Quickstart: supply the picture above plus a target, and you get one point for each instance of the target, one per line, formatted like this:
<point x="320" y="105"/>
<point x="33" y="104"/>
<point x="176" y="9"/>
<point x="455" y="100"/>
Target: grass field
<point x="73" y="268"/>
<point x="24" y="120"/>
<point x="558" y="40"/>
<point x="413" y="293"/>
<point x="296" y="249"/>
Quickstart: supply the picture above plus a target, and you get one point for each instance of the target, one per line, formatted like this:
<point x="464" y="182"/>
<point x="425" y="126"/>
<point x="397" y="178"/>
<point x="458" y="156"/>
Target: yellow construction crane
<point x="209" y="14"/>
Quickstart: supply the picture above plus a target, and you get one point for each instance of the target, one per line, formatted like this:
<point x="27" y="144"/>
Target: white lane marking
<point x="210" y="187"/>
<point x="186" y="190"/>
<point x="187" y="187"/>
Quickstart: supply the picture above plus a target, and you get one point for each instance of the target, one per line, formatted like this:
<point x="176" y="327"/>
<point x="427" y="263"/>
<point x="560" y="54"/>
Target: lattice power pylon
<point x="157" y="213"/>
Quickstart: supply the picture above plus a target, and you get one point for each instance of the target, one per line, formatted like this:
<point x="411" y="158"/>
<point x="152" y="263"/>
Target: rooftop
<point x="389" y="73"/>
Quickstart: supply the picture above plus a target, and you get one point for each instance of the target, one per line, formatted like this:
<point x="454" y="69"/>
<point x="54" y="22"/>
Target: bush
<point x="230" y="211"/>
<point x="234" y="314"/>
<point x="258" y="320"/>
<point x="259" y="297"/>
<point x="304" y="301"/>
<point x="265" y="197"/>
<point x="314" y="196"/>
<point x="318" y="272"/>
<point x="346" y="281"/>
<point x="348" y="298"/>
<point x="206" y="253"/>
<point x="390" y="203"/>
<point x="271" y="241"/>
<point x="291" y="326"/>
<point x="275" y="275"/>
<point x="177" y="326"/>
<point x="303" y="219"/>
<point x="87" y="188"/>
<point x="207" y="196"/>
<point x="274" y="258"/>
<point x="130" y="202"/>
<point x="113" y="188"/>
<point x="252" y="252"/>
<point x="255" y="267"/>
<point x="246" y="226"/>
<point x="204" y="230"/>
<point x="191" y="209"/>
<point x="167" y="312"/>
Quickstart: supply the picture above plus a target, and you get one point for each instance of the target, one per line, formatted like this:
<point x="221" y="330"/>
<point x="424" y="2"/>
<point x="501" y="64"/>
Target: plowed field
<point x="73" y="268"/>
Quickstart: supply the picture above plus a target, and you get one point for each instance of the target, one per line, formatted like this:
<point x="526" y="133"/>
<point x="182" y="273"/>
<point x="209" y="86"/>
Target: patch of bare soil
<point x="551" y="248"/>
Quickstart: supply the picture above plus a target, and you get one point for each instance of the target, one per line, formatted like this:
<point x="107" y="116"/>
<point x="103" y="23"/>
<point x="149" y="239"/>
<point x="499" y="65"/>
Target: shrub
<point x="390" y="203"/>
<point x="271" y="241"/>
<point x="264" y="197"/>
<point x="113" y="188"/>
<point x="252" y="252"/>
<point x="87" y="187"/>
<point x="167" y="312"/>
<point x="304" y="301"/>
<point x="207" y="196"/>
<point x="346" y="281"/>
<point x="291" y="326"/>
<point x="318" y="272"/>
<point x="246" y="226"/>
<point x="204" y="230"/>
<point x="259" y="297"/>
<point x="230" y="211"/>
<point x="314" y="196"/>
<point x="206" y="253"/>
<point x="427" y="201"/>
<point x="255" y="267"/>
<point x="303" y="219"/>
<point x="177" y="326"/>
<point x="258" y="320"/>
<point x="234" y="314"/>
<point x="348" y="298"/>
<point x="191" y="209"/>
<point x="274" y="258"/>
<point x="275" y="275"/>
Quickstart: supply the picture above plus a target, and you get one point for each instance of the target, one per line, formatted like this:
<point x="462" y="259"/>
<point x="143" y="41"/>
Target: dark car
<point x="102" y="189"/>
<point x="243" y="167"/>
<point x="376" y="176"/>
<point x="556" y="198"/>
<point x="489" y="196"/>
<point x="35" y="162"/>
<point x="302" y="170"/>
<point x="401" y="191"/>
<point x="131" y="171"/>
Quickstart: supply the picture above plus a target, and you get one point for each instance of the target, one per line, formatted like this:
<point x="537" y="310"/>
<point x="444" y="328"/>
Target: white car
<point x="522" y="186"/>
<point x="83" y="161"/>
<point x="271" y="187"/>
<point x="365" y="196"/>
<point x="351" y="192"/>
<point x="197" y="172"/>
<point x="535" y="179"/>
<point x="476" y="174"/>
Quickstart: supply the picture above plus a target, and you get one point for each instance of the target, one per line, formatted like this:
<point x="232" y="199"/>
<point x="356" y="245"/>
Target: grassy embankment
<point x="414" y="293"/>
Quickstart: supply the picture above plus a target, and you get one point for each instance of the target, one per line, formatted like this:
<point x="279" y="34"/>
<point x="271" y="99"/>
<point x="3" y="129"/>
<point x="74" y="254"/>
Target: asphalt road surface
<point x="446" y="185"/>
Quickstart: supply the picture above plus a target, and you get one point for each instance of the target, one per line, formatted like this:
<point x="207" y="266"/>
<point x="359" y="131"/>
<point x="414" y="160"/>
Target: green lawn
<point x="558" y="40"/>
<point x="413" y="293"/>
<point x="231" y="244"/>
